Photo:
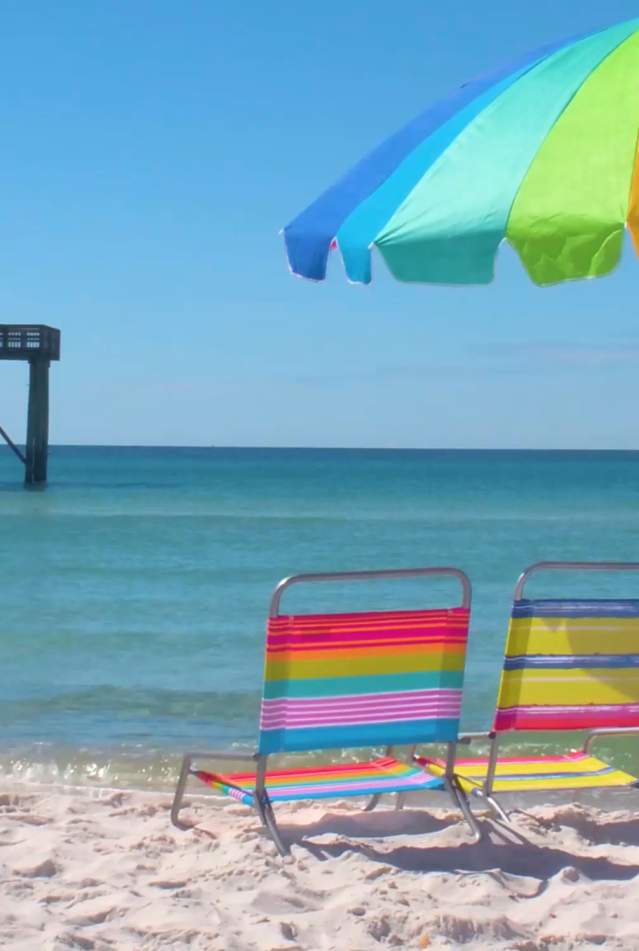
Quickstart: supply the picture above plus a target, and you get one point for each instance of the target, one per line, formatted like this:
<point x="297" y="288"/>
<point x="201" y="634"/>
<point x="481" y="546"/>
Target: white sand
<point x="89" y="869"/>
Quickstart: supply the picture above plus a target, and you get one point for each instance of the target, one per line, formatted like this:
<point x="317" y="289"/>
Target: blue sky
<point x="151" y="153"/>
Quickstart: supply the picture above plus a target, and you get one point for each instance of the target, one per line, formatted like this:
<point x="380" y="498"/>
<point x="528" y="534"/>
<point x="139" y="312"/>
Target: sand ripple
<point x="102" y="870"/>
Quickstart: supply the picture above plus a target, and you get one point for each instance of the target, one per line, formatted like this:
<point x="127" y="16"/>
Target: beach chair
<point x="571" y="664"/>
<point x="348" y="681"/>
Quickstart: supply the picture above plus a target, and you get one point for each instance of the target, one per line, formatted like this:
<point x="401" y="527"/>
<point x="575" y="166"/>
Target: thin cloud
<point x="570" y="353"/>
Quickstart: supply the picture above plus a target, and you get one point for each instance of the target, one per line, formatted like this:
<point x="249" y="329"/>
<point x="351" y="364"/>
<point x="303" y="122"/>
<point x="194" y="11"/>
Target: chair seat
<point x="380" y="776"/>
<point x="531" y="773"/>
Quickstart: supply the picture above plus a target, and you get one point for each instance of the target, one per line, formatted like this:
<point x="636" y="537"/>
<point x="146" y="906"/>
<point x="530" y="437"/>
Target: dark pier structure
<point x="38" y="345"/>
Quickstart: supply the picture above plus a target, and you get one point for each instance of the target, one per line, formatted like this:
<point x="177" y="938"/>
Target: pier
<point x="38" y="345"/>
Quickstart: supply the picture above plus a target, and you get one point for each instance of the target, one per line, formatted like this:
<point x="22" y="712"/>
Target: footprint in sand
<point x="45" y="869"/>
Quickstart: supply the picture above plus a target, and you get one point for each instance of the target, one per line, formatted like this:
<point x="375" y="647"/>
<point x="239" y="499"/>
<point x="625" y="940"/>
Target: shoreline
<point x="101" y="868"/>
<point x="155" y="769"/>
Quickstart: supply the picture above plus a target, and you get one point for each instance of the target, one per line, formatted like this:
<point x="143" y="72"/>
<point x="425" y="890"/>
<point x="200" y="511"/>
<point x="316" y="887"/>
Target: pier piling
<point x="37" y="344"/>
<point x="35" y="469"/>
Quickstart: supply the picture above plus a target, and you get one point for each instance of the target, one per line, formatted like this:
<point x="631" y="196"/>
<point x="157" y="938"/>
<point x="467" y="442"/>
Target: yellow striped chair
<point x="570" y="664"/>
<point x="347" y="681"/>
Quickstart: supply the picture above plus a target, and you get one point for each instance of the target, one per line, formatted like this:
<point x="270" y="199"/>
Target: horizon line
<point x="333" y="448"/>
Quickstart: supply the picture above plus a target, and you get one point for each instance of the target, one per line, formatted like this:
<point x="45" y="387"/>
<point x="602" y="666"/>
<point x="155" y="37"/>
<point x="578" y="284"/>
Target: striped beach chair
<point x="348" y="681"/>
<point x="570" y="664"/>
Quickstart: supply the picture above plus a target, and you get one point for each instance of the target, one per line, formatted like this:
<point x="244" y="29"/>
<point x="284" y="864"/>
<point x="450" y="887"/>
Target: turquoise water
<point x="135" y="588"/>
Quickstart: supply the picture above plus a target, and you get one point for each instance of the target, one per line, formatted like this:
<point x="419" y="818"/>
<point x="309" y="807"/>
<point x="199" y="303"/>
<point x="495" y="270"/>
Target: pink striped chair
<point x="346" y="681"/>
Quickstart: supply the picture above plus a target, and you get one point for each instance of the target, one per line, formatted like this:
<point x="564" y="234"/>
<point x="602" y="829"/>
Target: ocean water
<point x="135" y="588"/>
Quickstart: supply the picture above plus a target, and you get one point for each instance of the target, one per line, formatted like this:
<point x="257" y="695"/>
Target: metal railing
<point x="29" y="342"/>
<point x="612" y="566"/>
<point x="381" y="575"/>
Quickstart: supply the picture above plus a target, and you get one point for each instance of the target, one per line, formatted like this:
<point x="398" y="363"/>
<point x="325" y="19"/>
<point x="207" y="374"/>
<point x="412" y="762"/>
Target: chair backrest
<point x="366" y="678"/>
<point x="570" y="663"/>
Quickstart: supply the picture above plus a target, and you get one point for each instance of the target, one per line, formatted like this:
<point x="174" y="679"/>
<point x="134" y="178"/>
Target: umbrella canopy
<point x="542" y="154"/>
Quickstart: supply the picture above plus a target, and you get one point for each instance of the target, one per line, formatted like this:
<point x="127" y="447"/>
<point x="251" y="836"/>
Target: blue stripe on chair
<point x="593" y="607"/>
<point x="326" y="686"/>
<point x="375" y="734"/>
<point x="567" y="662"/>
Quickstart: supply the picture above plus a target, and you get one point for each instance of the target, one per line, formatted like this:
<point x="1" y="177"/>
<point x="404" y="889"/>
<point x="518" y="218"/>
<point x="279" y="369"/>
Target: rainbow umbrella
<point x="542" y="154"/>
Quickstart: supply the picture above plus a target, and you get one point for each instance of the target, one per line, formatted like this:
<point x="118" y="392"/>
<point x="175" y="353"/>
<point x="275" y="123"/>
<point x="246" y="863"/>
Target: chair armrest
<point x="467" y="738"/>
<point x="596" y="734"/>
<point x="223" y="755"/>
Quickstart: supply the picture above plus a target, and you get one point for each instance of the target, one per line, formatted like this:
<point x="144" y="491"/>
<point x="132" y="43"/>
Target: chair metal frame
<point x="261" y="800"/>
<point x="486" y="790"/>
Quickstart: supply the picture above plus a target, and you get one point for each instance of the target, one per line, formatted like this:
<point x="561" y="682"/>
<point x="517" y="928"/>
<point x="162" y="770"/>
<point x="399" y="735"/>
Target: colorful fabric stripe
<point x="594" y="206"/>
<point x="380" y="776"/>
<point x="542" y="154"/>
<point x="556" y="638"/>
<point x="309" y="236"/>
<point x="364" y="708"/>
<point x="360" y="229"/>
<point x="588" y="608"/>
<point x="570" y="664"/>
<point x="314" y="687"/>
<point x="448" y="234"/>
<point x="537" y="773"/>
<point x="431" y="729"/>
<point x="344" y="680"/>
<point x="567" y="717"/>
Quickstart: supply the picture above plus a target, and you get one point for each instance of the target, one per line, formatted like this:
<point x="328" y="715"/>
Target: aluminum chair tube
<point x="380" y="575"/>
<point x="570" y="566"/>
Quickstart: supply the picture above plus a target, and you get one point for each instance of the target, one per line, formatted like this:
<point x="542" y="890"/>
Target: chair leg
<point x="494" y="806"/>
<point x="372" y="803"/>
<point x="400" y="802"/>
<point x="459" y="798"/>
<point x="179" y="793"/>
<point x="497" y="809"/>
<point x="266" y="814"/>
